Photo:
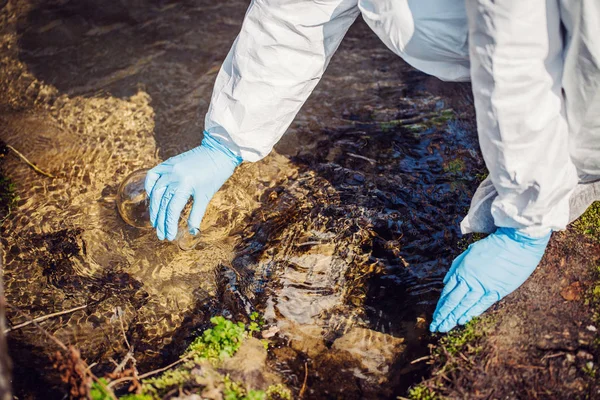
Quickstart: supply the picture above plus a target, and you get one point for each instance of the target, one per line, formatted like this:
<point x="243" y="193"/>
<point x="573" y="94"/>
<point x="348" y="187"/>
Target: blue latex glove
<point x="199" y="172"/>
<point x="486" y="272"/>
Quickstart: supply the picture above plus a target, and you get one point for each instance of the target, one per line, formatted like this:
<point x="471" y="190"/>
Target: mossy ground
<point x="448" y="356"/>
<point x="589" y="223"/>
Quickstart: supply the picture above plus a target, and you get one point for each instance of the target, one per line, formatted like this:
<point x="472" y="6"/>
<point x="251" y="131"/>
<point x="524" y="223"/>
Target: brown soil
<point x="539" y="342"/>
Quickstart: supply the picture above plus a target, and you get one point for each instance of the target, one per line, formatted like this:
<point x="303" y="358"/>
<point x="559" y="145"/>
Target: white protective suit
<point x="529" y="78"/>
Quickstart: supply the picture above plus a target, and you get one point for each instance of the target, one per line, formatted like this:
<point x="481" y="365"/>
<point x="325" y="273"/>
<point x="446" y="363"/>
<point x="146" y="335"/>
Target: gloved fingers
<point x="173" y="211"/>
<point x="156" y="196"/>
<point x="455" y="264"/>
<point x="162" y="212"/>
<point x="468" y="301"/>
<point x="448" y="287"/>
<point x="448" y="301"/>
<point x="478" y="308"/>
<point x="197" y="213"/>
<point x="153" y="175"/>
<point x="151" y="178"/>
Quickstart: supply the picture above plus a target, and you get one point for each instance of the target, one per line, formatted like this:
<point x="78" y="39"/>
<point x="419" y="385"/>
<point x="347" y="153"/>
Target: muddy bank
<point x="540" y="342"/>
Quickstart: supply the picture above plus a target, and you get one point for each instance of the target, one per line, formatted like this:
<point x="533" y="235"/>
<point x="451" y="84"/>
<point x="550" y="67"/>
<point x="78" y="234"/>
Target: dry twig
<point x="148" y="374"/>
<point x="418" y="360"/>
<point x="32" y="165"/>
<point x="303" y="389"/>
<point x="45" y="332"/>
<point x="43" y="318"/>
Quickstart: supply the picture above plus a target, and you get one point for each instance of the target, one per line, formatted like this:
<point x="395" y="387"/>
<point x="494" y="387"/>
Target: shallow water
<point x="340" y="237"/>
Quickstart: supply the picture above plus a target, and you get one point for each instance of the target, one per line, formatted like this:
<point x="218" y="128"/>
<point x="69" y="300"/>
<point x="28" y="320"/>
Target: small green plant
<point x="420" y="392"/>
<point x="256" y="323"/>
<point x="222" y="340"/>
<point x="589" y="369"/>
<point x="100" y="391"/>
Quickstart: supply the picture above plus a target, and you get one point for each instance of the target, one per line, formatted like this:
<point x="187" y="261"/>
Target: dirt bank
<point x="541" y="342"/>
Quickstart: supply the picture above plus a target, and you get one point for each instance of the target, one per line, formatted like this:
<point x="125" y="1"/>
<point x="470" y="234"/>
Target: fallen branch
<point x="42" y="318"/>
<point x="32" y="165"/>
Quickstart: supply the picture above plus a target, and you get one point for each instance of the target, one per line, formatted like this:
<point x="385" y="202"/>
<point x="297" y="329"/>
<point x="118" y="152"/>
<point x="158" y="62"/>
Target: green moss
<point x="389" y="125"/>
<point x="589" y="222"/>
<point x="467" y="240"/>
<point x="234" y="391"/>
<point x="100" y="391"/>
<point x="137" y="397"/>
<point x="456" y="166"/>
<point x="421" y="392"/>
<point x="442" y="118"/>
<point x="416" y="128"/>
<point x="8" y="197"/>
<point x="465" y="339"/>
<point x="278" y="392"/>
<point x="480" y="176"/>
<point x="166" y="381"/>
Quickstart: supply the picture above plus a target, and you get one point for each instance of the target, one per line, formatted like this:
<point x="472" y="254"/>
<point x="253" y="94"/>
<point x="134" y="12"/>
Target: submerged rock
<point x="375" y="351"/>
<point x="249" y="365"/>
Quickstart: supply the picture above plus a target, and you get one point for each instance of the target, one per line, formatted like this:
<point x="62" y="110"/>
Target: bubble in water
<point x="133" y="205"/>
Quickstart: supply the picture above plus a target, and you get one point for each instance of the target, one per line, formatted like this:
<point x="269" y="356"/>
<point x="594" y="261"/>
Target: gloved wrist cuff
<point x="519" y="236"/>
<point x="212" y="143"/>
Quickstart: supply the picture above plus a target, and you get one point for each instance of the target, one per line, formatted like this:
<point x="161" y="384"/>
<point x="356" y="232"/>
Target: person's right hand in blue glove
<point x="199" y="173"/>
<point x="486" y="272"/>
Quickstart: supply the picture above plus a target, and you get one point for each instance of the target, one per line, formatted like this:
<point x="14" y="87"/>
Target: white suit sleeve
<point x="516" y="69"/>
<point x="274" y="64"/>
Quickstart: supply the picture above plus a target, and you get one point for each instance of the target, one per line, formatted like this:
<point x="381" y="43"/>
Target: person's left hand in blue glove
<point x="486" y="272"/>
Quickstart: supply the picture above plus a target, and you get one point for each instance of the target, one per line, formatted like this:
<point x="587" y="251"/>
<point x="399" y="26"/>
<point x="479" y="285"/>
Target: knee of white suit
<point x="430" y="35"/>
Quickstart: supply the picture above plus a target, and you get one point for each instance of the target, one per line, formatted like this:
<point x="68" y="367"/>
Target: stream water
<point x="340" y="237"/>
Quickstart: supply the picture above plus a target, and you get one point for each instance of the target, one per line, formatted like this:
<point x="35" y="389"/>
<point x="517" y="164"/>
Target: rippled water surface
<point x="340" y="237"/>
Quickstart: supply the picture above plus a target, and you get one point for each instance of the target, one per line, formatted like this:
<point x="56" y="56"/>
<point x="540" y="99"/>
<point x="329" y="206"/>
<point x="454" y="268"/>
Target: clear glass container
<point x="133" y="206"/>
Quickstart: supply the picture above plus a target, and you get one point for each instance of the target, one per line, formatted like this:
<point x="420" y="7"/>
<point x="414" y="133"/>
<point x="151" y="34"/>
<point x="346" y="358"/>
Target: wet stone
<point x="249" y="365"/>
<point x="375" y="351"/>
